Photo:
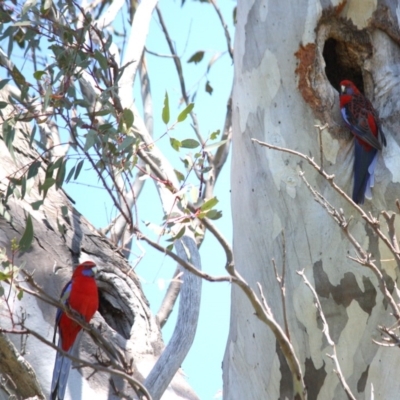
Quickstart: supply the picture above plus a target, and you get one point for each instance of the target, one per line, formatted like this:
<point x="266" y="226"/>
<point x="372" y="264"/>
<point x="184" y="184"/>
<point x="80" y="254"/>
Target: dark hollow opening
<point x="115" y="318"/>
<point x="342" y="62"/>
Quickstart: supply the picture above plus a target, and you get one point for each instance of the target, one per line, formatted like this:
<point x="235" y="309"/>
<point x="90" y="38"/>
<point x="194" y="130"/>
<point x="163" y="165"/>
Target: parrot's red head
<point x="348" y="87"/>
<point x="87" y="268"/>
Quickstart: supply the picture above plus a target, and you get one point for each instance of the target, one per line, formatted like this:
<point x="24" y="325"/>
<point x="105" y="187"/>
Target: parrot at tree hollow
<point x="80" y="294"/>
<point x="363" y="122"/>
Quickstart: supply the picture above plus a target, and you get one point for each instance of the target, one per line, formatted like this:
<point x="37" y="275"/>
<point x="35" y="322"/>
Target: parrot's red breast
<point x="80" y="294"/>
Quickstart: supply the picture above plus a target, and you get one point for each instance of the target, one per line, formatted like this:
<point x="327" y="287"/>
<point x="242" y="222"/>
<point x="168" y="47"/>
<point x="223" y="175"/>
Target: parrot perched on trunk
<point x="363" y="122"/>
<point x="80" y="294"/>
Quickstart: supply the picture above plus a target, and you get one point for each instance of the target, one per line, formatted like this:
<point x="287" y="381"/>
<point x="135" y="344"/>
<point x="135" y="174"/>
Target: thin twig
<point x="225" y="27"/>
<point x="281" y="281"/>
<point x="136" y="385"/>
<point x="363" y="258"/>
<point x="372" y="222"/>
<point x="179" y="70"/>
<point x="392" y="231"/>
<point x="284" y="342"/>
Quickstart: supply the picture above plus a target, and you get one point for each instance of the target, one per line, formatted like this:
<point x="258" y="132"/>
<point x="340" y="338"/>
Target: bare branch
<point x="135" y="384"/>
<point x="281" y="281"/>
<point x="264" y="313"/>
<point x="392" y="231"/>
<point x="218" y="160"/>
<point x="186" y="325"/>
<point x="136" y="42"/>
<point x="170" y="298"/>
<point x="372" y="222"/>
<point x="225" y="27"/>
<point x="363" y="257"/>
<point x="179" y="70"/>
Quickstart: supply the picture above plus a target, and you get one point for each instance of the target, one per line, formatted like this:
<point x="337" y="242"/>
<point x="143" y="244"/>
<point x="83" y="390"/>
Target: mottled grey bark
<point x="284" y="85"/>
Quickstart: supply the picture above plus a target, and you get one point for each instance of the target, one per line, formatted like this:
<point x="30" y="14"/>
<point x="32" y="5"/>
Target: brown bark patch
<point x="305" y="71"/>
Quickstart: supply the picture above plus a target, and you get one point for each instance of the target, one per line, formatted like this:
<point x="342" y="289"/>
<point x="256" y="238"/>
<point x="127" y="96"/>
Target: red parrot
<point x="363" y="122"/>
<point x="80" y="294"/>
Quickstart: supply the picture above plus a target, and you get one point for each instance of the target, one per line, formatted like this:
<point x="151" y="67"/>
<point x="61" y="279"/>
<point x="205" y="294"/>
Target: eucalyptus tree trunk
<point x="289" y="60"/>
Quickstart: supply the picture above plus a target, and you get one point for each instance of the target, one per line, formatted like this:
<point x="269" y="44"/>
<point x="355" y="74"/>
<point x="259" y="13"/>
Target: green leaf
<point x="23" y="187"/>
<point x="178" y="235"/>
<point x="53" y="166"/>
<point x="33" y="169"/>
<point x="179" y="175"/>
<point x="215" y="134"/>
<point x="78" y="169"/>
<point x="209" y="88"/>
<point x="104" y="128"/>
<point x="91" y="137"/>
<point x="101" y="59"/>
<point x="1" y="291"/>
<point x="70" y="173"/>
<point x="128" y="141"/>
<point x="27" y="238"/>
<point x="206" y="169"/>
<point x="61" y="174"/>
<point x="214" y="145"/>
<point x="190" y="144"/>
<point x="36" y="204"/>
<point x="48" y="183"/>
<point x="32" y="136"/>
<point x="19" y="79"/>
<point x="8" y="137"/>
<point x="176" y="144"/>
<point x="100" y="113"/>
<point x="4" y="82"/>
<point x="209" y="204"/>
<point x="128" y="118"/>
<point x="3" y="104"/>
<point x="182" y="116"/>
<point x="165" y="110"/>
<point x="196" y="57"/>
<point x="20" y="295"/>
<point x="38" y="74"/>
<point x="214" y="214"/>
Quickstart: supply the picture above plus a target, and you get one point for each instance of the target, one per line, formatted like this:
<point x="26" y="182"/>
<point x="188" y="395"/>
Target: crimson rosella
<point x="363" y="122"/>
<point x="80" y="294"/>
